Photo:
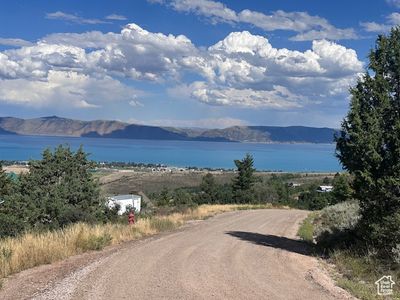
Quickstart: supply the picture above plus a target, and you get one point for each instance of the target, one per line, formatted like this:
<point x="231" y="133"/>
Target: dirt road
<point x="238" y="255"/>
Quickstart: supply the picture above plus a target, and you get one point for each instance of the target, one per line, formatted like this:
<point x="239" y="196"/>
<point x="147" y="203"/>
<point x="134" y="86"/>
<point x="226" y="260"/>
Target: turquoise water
<point x="276" y="157"/>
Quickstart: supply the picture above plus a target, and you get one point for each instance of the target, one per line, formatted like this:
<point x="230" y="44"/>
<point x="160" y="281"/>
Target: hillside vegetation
<point x="362" y="237"/>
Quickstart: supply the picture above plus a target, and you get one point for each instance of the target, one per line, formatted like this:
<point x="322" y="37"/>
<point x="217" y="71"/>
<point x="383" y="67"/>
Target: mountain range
<point x="56" y="126"/>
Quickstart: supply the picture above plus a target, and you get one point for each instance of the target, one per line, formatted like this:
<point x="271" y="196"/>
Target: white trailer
<point x="125" y="202"/>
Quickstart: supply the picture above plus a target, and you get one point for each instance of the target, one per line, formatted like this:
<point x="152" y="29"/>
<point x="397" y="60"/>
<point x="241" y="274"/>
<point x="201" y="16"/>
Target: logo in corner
<point x="385" y="285"/>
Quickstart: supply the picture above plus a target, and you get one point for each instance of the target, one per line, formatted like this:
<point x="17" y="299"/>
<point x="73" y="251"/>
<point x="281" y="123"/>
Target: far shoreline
<point x="166" y="140"/>
<point x="18" y="167"/>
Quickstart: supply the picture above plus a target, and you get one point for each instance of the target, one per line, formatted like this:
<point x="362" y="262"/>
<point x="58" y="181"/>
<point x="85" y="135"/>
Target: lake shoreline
<point x="276" y="157"/>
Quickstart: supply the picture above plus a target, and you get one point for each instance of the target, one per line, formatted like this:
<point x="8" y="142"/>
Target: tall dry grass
<point x="33" y="249"/>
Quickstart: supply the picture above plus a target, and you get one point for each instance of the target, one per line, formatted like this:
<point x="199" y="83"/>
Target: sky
<point x="187" y="63"/>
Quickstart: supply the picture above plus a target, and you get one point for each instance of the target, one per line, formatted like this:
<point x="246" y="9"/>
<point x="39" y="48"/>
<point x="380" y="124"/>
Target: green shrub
<point x="306" y="229"/>
<point x="181" y="197"/>
<point x="335" y="229"/>
<point x="313" y="200"/>
<point x="10" y="225"/>
<point x="341" y="216"/>
<point x="271" y="191"/>
<point x="335" y="224"/>
<point x="209" y="190"/>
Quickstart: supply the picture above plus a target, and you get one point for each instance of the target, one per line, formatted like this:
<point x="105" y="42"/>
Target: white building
<point x="294" y="185"/>
<point x="125" y="202"/>
<point x="325" y="188"/>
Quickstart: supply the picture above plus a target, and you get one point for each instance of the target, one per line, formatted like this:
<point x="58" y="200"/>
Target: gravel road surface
<point x="238" y="255"/>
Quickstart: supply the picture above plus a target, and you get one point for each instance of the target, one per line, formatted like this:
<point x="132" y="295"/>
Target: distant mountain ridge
<point x="56" y="126"/>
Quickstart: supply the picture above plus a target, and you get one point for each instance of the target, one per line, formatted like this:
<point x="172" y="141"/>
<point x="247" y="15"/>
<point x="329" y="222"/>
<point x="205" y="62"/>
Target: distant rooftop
<point x="124" y="197"/>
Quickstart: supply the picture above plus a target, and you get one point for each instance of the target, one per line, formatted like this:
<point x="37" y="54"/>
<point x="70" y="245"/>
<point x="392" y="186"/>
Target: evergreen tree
<point x="342" y="190"/>
<point x="369" y="144"/>
<point x="244" y="180"/>
<point x="13" y="213"/>
<point x="5" y="183"/>
<point x="313" y="200"/>
<point x="59" y="189"/>
<point x="209" y="189"/>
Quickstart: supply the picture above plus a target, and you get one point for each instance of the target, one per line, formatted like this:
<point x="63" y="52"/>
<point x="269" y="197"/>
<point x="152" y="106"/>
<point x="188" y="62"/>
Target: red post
<point x="131" y="218"/>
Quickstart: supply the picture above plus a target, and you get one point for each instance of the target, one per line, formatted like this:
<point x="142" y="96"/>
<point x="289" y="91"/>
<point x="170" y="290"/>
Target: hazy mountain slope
<point x="268" y="134"/>
<point x="297" y="134"/>
<point x="55" y="126"/>
<point x="140" y="132"/>
<point x="238" y="133"/>
<point x="152" y="133"/>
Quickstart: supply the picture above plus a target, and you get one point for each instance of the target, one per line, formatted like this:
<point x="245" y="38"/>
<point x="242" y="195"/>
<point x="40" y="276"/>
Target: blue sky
<point x="199" y="63"/>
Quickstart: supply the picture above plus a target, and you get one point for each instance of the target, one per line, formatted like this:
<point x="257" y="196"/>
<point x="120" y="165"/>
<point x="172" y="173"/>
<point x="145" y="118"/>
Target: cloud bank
<point x="242" y="70"/>
<point x="306" y="26"/>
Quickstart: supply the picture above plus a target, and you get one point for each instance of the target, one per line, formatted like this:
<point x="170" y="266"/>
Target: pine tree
<point x="369" y="144"/>
<point x="244" y="180"/>
<point x="342" y="190"/>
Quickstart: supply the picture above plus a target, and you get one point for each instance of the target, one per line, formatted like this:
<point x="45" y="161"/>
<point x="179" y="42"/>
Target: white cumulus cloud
<point x="243" y="69"/>
<point x="64" y="89"/>
<point x="278" y="97"/>
<point x="247" y="62"/>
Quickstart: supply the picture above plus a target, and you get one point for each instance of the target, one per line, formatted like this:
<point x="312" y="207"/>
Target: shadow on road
<point x="279" y="242"/>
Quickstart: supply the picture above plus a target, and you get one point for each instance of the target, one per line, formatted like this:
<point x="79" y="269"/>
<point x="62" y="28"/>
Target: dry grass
<point x="33" y="249"/>
<point x="148" y="182"/>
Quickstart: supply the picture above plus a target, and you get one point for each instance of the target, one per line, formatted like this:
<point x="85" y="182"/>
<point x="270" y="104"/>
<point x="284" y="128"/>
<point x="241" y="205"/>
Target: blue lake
<point x="282" y="157"/>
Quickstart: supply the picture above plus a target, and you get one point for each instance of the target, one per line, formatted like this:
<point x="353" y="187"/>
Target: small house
<point x="325" y="188"/>
<point x="294" y="184"/>
<point x="125" y="202"/>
